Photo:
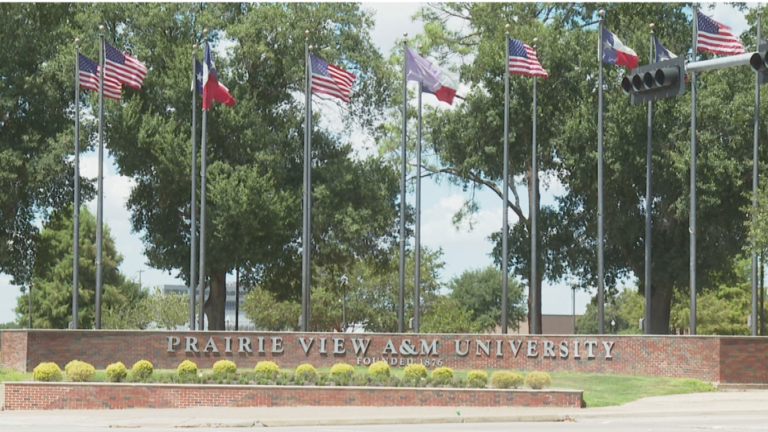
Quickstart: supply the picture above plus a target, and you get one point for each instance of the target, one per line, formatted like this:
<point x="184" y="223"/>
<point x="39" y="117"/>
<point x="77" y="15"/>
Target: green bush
<point x="116" y="372"/>
<point x="415" y="371"/>
<point x="505" y="380"/>
<point x="538" y="380"/>
<point x="477" y="378"/>
<point x="142" y="370"/>
<point x="187" y="370"/>
<point x="442" y="373"/>
<point x="79" y="371"/>
<point x="267" y="369"/>
<point x="342" y="370"/>
<point x="47" y="372"/>
<point x="379" y="370"/>
<point x="306" y="372"/>
<point x="224" y="367"/>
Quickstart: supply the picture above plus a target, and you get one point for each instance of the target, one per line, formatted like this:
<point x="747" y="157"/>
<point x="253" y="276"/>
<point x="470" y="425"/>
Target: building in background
<point x="229" y="307"/>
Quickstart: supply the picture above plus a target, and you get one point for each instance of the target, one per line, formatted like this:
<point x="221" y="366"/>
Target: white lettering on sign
<point x="401" y="354"/>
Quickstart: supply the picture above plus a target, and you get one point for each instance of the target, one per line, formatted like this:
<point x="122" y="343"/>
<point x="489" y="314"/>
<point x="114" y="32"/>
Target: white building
<point x="229" y="307"/>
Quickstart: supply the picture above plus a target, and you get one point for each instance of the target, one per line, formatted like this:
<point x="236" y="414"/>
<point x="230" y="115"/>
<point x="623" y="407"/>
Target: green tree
<point x="168" y="310"/>
<point x="255" y="150"/>
<point x="372" y="296"/>
<point x="624" y="308"/>
<point x="722" y="311"/>
<point x="52" y="275"/>
<point x="448" y="315"/>
<point x="36" y="126"/>
<point x="468" y="141"/>
<point x="479" y="292"/>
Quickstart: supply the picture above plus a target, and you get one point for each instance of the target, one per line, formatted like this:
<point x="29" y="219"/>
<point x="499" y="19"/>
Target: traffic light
<point x="758" y="63"/>
<point x="655" y="81"/>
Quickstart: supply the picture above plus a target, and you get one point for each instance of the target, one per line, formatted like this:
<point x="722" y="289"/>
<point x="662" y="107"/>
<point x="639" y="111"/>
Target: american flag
<point x="716" y="38"/>
<point x="331" y="80"/>
<point x="523" y="61"/>
<point x="123" y="67"/>
<point x="89" y="78"/>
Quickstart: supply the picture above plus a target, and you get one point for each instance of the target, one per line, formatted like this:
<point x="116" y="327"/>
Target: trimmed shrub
<point x="415" y="371"/>
<point x="224" y="367"/>
<point x="306" y="372"/>
<point x="505" y="380"/>
<point x="142" y="370"/>
<point x="442" y="373"/>
<point x="267" y="369"/>
<point x="47" y="372"/>
<point x="79" y="371"/>
<point x="342" y="370"/>
<point x="379" y="370"/>
<point x="187" y="370"/>
<point x="116" y="372"/>
<point x="477" y="378"/>
<point x="538" y="380"/>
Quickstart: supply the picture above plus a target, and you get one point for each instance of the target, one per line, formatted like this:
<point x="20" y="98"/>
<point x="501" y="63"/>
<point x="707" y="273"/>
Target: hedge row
<point x="267" y="372"/>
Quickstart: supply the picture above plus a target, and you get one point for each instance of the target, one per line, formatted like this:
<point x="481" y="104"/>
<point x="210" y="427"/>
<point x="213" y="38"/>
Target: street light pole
<point x="344" y="303"/>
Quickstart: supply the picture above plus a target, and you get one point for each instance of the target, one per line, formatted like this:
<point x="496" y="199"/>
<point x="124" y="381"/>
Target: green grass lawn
<point x="599" y="390"/>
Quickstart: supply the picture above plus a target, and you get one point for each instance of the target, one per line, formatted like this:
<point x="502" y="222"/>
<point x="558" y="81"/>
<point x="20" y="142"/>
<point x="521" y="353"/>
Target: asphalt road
<point x="664" y="424"/>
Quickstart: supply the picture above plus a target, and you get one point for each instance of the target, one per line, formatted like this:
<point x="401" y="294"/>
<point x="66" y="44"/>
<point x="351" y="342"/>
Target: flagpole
<point x="417" y="243"/>
<point x="100" y="181"/>
<point x="505" y="211"/>
<point x="692" y="216"/>
<point x="308" y="195"/>
<point x="76" y="215"/>
<point x="755" y="176"/>
<point x="203" y="168"/>
<point x="304" y="241"/>
<point x="648" y="198"/>
<point x="600" y="245"/>
<point x="193" y="200"/>
<point x="534" y="211"/>
<point x="401" y="292"/>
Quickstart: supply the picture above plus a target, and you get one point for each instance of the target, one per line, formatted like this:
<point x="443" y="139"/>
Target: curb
<point x="656" y="414"/>
<point x="536" y="418"/>
<point x="192" y="424"/>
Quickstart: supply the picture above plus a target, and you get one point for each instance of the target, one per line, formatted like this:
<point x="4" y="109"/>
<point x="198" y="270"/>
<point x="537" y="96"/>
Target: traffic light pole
<point x="648" y="199"/>
<point x="754" y="180"/>
<point x="692" y="217"/>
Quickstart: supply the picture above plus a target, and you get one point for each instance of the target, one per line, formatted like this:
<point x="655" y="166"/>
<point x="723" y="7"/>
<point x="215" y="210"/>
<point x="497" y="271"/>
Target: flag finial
<point x="194" y="47"/>
<point x="405" y="34"/>
<point x="601" y="13"/>
<point x="310" y="47"/>
<point x="506" y="27"/>
<point x="101" y="28"/>
<point x="77" y="41"/>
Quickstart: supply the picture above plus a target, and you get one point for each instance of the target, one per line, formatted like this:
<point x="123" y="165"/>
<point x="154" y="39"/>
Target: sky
<point x="463" y="248"/>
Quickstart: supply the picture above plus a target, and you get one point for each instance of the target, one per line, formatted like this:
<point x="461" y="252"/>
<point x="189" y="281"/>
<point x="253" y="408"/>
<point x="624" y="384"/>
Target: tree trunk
<point x="534" y="286"/>
<point x="661" y="304"/>
<point x="537" y="307"/>
<point x="217" y="300"/>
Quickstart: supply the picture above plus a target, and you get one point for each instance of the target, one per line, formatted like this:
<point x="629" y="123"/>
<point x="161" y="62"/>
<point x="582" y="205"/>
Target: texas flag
<point x="434" y="80"/>
<point x="615" y="52"/>
<point x="213" y="90"/>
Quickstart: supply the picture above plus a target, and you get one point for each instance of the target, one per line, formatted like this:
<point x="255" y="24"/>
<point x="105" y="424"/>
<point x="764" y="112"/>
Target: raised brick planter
<point x="49" y="396"/>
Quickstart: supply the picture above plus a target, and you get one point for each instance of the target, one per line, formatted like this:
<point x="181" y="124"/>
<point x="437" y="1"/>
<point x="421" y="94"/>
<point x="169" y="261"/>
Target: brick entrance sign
<point x="710" y="358"/>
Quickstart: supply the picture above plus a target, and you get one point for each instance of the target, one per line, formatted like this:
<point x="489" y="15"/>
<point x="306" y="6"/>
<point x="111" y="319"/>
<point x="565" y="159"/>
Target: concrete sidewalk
<point x="699" y="404"/>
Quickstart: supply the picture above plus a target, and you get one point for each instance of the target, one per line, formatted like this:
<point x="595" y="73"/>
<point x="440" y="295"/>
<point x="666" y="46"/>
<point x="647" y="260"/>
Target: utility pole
<point x="140" y="272"/>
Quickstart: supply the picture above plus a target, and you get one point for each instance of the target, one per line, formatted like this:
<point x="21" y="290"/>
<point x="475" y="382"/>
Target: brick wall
<point x="45" y="396"/>
<point x="709" y="358"/>
<point x="13" y="350"/>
